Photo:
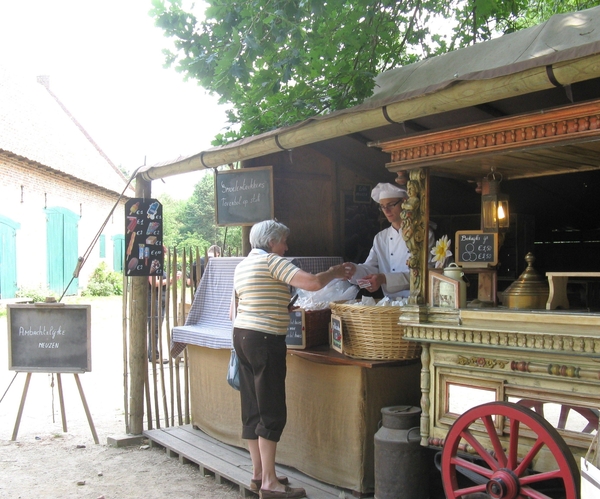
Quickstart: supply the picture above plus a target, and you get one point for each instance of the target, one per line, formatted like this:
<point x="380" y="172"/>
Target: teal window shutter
<point x="118" y="252"/>
<point x="102" y="246"/>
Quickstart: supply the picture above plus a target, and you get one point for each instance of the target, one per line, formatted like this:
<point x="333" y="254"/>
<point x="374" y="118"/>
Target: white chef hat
<point x="384" y="190"/>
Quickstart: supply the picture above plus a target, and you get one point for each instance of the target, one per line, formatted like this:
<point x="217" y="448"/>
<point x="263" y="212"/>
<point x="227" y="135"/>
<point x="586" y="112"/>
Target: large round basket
<point x="371" y="332"/>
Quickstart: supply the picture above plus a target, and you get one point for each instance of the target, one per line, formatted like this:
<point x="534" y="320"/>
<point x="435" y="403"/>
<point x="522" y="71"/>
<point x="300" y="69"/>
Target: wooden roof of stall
<point x="505" y="87"/>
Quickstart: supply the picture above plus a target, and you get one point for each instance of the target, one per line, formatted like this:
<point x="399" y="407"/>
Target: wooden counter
<point x="334" y="408"/>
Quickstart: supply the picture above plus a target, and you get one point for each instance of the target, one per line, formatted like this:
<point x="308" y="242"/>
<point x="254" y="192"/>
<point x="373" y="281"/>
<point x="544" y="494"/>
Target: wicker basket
<point x="371" y="332"/>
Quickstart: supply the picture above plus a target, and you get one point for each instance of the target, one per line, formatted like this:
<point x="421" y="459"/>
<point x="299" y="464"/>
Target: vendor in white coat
<point x="386" y="266"/>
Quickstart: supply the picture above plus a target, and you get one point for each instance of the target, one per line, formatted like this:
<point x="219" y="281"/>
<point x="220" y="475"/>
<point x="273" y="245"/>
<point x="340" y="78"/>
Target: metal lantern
<point x="495" y="215"/>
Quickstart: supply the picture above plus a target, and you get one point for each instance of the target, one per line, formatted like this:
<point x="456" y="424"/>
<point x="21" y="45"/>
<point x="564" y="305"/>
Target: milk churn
<point x="453" y="271"/>
<point x="401" y="469"/>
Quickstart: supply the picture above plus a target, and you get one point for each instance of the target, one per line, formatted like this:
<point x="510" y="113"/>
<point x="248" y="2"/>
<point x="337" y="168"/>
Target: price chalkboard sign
<point x="245" y="196"/>
<point x="49" y="338"/>
<point x="337" y="337"/>
<point x="296" y="337"/>
<point x="474" y="248"/>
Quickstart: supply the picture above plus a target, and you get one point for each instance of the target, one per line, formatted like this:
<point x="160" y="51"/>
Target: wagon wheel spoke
<point x="562" y="418"/>
<point x="480" y="449"/>
<point x="540" y="477"/>
<point x="470" y="490"/>
<point x="510" y="475"/>
<point x="513" y="445"/>
<point x="528" y="493"/>
<point x="496" y="444"/>
<point x="471" y="466"/>
<point x="535" y="448"/>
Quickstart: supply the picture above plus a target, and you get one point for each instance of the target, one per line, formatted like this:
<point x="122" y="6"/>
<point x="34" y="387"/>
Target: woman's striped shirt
<point x="262" y="285"/>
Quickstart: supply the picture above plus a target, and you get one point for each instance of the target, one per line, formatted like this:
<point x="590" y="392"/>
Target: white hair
<point x="267" y="231"/>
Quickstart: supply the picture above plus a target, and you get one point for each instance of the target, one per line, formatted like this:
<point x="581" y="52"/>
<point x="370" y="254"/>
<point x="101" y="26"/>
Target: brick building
<point x="57" y="189"/>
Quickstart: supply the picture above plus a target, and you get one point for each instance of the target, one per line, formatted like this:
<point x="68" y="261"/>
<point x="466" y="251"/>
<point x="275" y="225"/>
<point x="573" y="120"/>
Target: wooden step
<point x="230" y="464"/>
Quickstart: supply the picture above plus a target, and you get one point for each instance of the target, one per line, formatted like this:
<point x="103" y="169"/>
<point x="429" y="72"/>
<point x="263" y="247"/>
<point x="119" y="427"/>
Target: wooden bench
<point x="558" y="287"/>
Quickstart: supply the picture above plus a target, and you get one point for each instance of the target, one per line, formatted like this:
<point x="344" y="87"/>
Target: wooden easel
<point x="62" y="406"/>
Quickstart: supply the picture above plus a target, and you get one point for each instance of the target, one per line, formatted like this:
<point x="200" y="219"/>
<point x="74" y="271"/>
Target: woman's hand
<point x="343" y="271"/>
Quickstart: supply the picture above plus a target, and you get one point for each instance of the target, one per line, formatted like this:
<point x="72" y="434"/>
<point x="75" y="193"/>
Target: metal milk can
<point x="453" y="271"/>
<point x="401" y="469"/>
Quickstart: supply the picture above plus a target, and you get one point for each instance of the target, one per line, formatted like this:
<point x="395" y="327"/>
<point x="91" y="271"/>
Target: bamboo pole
<point x="186" y="379"/>
<point x="138" y="355"/>
<point x="168" y="318"/>
<point x="161" y="348"/>
<point x="155" y="323"/>
<point x="125" y="312"/>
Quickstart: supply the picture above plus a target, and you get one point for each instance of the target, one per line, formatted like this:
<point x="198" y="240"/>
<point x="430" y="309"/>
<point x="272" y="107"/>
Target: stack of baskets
<point x="371" y="332"/>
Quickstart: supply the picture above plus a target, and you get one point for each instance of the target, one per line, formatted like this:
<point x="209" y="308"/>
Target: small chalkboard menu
<point x="244" y="196"/>
<point x="296" y="337"/>
<point x="475" y="248"/>
<point x="49" y="338"/>
<point x="337" y="337"/>
<point x="144" y="255"/>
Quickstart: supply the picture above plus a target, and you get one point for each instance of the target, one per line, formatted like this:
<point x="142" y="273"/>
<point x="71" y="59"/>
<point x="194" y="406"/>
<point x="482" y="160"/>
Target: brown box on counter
<point x="308" y="328"/>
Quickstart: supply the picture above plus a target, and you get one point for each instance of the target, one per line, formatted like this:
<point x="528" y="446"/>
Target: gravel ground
<point x="45" y="462"/>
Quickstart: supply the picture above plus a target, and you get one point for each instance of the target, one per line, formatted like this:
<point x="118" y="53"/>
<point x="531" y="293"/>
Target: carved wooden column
<point x="415" y="231"/>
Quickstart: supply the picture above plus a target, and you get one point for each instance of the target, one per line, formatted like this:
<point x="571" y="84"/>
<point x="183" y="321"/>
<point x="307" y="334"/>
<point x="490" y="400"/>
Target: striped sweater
<point x="261" y="283"/>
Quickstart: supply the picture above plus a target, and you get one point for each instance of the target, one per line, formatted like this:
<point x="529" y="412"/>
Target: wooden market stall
<point x="527" y="106"/>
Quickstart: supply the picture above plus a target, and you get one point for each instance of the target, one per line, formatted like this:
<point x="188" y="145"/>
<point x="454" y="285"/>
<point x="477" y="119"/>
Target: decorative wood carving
<point x="415" y="232"/>
<point x="560" y="370"/>
<point x="562" y="126"/>
<point x="481" y="362"/>
<point x="557" y="343"/>
<point x="425" y="396"/>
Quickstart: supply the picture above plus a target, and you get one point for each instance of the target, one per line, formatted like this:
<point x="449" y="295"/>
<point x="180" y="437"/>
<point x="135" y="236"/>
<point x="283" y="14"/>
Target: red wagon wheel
<point x="504" y="472"/>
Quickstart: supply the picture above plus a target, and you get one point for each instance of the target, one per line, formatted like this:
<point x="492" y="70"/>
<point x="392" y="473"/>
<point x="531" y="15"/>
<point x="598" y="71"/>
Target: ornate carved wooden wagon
<point x="510" y="396"/>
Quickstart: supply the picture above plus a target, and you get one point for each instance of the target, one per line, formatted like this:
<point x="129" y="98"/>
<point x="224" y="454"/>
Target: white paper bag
<point x="590" y="480"/>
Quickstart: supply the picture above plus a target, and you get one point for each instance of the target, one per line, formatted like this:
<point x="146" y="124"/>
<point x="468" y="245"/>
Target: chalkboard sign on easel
<point x="476" y="249"/>
<point x="244" y="196"/>
<point x="49" y="338"/>
<point x="296" y="337"/>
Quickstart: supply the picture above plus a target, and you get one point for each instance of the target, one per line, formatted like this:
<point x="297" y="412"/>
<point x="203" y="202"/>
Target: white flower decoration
<point x="441" y="251"/>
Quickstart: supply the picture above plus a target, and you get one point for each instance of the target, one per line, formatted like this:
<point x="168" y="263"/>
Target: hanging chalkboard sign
<point x="362" y="193"/>
<point x="49" y="338"/>
<point x="474" y="248"/>
<point x="296" y="337"/>
<point x="244" y="196"/>
<point x="144" y="255"/>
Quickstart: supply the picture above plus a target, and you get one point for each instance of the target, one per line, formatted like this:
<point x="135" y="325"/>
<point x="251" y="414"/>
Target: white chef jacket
<point x="389" y="255"/>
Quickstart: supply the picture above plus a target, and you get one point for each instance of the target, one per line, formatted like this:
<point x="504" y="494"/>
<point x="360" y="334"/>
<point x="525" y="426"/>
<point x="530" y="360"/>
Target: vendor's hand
<point x="375" y="280"/>
<point x="349" y="269"/>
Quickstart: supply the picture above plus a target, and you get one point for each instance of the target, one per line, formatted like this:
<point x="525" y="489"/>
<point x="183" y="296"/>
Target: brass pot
<point x="529" y="291"/>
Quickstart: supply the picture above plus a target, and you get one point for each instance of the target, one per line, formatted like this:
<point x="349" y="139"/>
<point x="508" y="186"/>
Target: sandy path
<point x="45" y="463"/>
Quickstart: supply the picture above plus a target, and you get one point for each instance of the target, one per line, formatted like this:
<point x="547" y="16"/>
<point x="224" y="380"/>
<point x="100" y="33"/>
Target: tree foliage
<point x="192" y="223"/>
<point x="278" y="62"/>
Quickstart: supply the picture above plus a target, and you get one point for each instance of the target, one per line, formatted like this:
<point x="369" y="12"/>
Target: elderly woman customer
<point x="262" y="285"/>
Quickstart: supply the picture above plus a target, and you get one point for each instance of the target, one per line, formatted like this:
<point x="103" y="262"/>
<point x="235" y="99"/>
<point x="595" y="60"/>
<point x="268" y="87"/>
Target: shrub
<point x="36" y="295"/>
<point x="104" y="282"/>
